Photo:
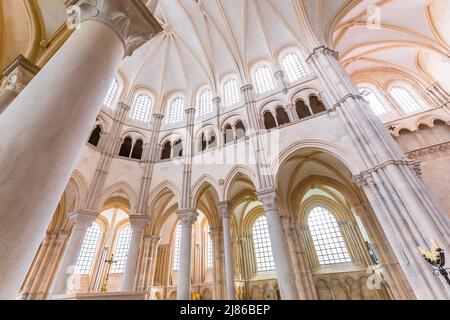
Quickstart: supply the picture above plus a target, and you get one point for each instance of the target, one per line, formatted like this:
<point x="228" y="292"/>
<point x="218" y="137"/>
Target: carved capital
<point x="83" y="219"/>
<point x="322" y="50"/>
<point x="247" y="88"/>
<point x="139" y="222"/>
<point x="217" y="101"/>
<point x="18" y="74"/>
<point x="224" y="209"/>
<point x="131" y="19"/>
<point x="269" y="199"/>
<point x="279" y="74"/>
<point x="364" y="180"/>
<point x="187" y="217"/>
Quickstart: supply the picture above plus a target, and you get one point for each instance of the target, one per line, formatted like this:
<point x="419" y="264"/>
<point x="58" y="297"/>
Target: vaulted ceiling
<point x="412" y="36"/>
<point x="205" y="40"/>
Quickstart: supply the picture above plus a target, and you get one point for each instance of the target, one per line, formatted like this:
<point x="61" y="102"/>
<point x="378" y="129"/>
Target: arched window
<point x="121" y="250"/>
<point x="125" y="149"/>
<point x="205" y="104"/>
<point x="269" y="120"/>
<point x="228" y="135"/>
<point x="88" y="250"/>
<point x="112" y="93"/>
<point x="231" y="93"/>
<point x="282" y="116"/>
<point x="240" y="130"/>
<point x="374" y="103"/>
<point x="176" y="110"/>
<point x="142" y="108"/>
<point x="176" y="249"/>
<point x="167" y="151"/>
<point x="293" y="67"/>
<point x="405" y="99"/>
<point x="264" y="79"/>
<point x="94" y="139"/>
<point x="178" y="149"/>
<point x="137" y="150"/>
<point x="302" y="109"/>
<point x="209" y="248"/>
<point x="328" y="241"/>
<point x="316" y="105"/>
<point x="262" y="245"/>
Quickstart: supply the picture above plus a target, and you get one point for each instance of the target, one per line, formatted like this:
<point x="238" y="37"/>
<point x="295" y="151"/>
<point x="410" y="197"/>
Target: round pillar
<point x="44" y="129"/>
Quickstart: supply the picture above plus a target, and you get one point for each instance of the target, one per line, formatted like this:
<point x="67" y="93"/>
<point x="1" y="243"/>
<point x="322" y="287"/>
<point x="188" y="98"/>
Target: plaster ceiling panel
<point x="196" y="72"/>
<point x="235" y="13"/>
<point x="399" y="13"/>
<point x="288" y="12"/>
<point x="440" y="12"/>
<point x="359" y="12"/>
<point x="175" y="74"/>
<point x="215" y="16"/>
<point x="150" y="71"/>
<point x="404" y="57"/>
<point x="437" y="67"/>
<point x="361" y="65"/>
<point x="223" y="60"/>
<point x="359" y="35"/>
<point x="256" y="42"/>
<point x="278" y="31"/>
<point x="53" y="14"/>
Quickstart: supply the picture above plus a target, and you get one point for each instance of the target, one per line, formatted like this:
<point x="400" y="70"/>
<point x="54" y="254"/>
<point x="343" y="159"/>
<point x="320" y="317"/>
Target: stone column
<point x="286" y="279"/>
<point x="292" y="112"/>
<point x="138" y="224"/>
<point x="45" y="128"/>
<point x="404" y="207"/>
<point x="282" y="83"/>
<point x="16" y="76"/>
<point x="216" y="103"/>
<point x="81" y="221"/>
<point x="150" y="157"/>
<point x="228" y="248"/>
<point x="438" y="94"/>
<point x="187" y="218"/>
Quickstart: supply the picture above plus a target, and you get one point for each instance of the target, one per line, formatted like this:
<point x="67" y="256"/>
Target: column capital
<point x="187" y="216"/>
<point x="247" y="88"/>
<point x="279" y="74"/>
<point x="158" y="116"/>
<point x="224" y="209"/>
<point x="122" y="106"/>
<point x="217" y="100"/>
<point x="269" y="199"/>
<point x="131" y="19"/>
<point x="324" y="51"/>
<point x="83" y="218"/>
<point x="139" y="222"/>
<point x="18" y="74"/>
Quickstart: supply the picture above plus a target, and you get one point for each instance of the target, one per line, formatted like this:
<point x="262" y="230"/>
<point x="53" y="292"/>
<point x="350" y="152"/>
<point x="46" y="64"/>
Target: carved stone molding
<point x="322" y="50"/>
<point x="269" y="199"/>
<point x="224" y="209"/>
<point x="139" y="222"/>
<point x="82" y="219"/>
<point x="432" y="152"/>
<point x="131" y="19"/>
<point x="18" y="74"/>
<point x="187" y="217"/>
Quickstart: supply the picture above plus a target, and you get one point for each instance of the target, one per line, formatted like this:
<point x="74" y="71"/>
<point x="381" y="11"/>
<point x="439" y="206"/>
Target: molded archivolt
<point x="120" y="190"/>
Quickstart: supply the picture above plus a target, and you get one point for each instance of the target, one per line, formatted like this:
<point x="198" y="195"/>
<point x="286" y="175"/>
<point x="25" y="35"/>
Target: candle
<point x="435" y="245"/>
<point x="421" y="251"/>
